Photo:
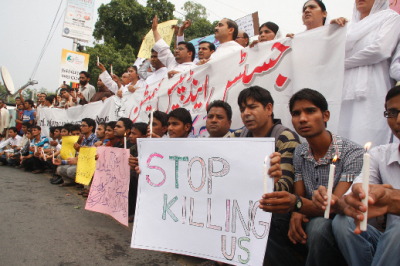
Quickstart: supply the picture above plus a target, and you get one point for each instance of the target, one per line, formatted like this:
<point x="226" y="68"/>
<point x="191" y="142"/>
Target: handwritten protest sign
<point x="67" y="147"/>
<point x="86" y="165"/>
<point x="110" y="185"/>
<point x="166" y="33"/>
<point x="249" y="24"/>
<point x="203" y="201"/>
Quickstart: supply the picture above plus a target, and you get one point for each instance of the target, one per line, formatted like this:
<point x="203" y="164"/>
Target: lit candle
<point x="330" y="186"/>
<point x="265" y="171"/>
<point x="98" y="61"/>
<point x="111" y="70"/>
<point x="151" y="122"/>
<point x="125" y="140"/>
<point x="365" y="185"/>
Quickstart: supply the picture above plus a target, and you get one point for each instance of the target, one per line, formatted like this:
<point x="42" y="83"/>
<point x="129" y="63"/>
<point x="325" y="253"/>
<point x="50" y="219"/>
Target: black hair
<point x="67" y="127"/>
<point x="310" y="95"/>
<point x="111" y="124"/>
<point x="153" y="51"/>
<point x="74" y="128"/>
<point x="50" y="99"/>
<point x="190" y="47"/>
<point x="270" y="25"/>
<point x="91" y="123"/>
<point x="64" y="89"/>
<point x="232" y="24"/>
<point x="142" y="127"/>
<point x="17" y="97"/>
<point x="182" y="115"/>
<point x="258" y="94"/>
<point x="52" y="129"/>
<point x="161" y="116"/>
<point x="37" y="127"/>
<point x="222" y="104"/>
<point x="43" y="93"/>
<point x="102" y="124"/>
<point x="13" y="129"/>
<point x="245" y="35"/>
<point x="320" y="4"/>
<point x="210" y="45"/>
<point x="29" y="102"/>
<point x="127" y="122"/>
<point x="313" y="96"/>
<point x="393" y="92"/>
<point x="26" y="124"/>
<point x="87" y="75"/>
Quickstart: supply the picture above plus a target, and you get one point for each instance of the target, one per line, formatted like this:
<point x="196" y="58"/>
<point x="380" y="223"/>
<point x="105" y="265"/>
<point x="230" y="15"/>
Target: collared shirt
<point x="316" y="173"/>
<point x="384" y="168"/>
<point x="168" y="59"/>
<point x="23" y="141"/>
<point x="109" y="82"/>
<point x="157" y="76"/>
<point x="89" y="142"/>
<point x="88" y="91"/>
<point x="43" y="143"/>
<point x="226" y="48"/>
<point x="11" y="141"/>
<point x="285" y="145"/>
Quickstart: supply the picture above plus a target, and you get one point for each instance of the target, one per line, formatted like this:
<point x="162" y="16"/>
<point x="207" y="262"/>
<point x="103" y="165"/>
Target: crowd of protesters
<point x="299" y="234"/>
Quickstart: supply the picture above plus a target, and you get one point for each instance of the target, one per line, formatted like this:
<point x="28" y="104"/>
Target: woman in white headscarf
<point x="372" y="37"/>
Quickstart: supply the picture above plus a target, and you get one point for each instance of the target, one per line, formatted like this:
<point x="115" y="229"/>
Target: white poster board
<point x="249" y="24"/>
<point x="78" y="20"/>
<point x="203" y="201"/>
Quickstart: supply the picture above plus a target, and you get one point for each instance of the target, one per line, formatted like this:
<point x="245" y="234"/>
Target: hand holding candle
<point x="125" y="140"/>
<point x="365" y="185"/>
<point x="330" y="187"/>
<point x="98" y="61"/>
<point x="111" y="70"/>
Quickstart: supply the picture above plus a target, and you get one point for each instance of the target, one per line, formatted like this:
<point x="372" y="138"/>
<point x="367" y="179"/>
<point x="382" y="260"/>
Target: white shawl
<point x="370" y="42"/>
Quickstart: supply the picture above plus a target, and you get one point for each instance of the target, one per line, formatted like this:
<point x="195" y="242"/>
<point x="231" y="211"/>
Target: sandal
<point x="85" y="194"/>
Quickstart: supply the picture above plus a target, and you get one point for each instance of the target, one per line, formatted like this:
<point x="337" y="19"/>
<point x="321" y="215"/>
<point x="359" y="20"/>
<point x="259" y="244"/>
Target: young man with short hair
<point x="88" y="126"/>
<point x="256" y="110"/>
<point x="180" y="123"/>
<point x="219" y="119"/>
<point x="372" y="247"/>
<point x="29" y="114"/>
<point x="160" y="125"/>
<point x="101" y="135"/>
<point x="13" y="140"/>
<point x="38" y="142"/>
<point x="110" y="134"/>
<point x="296" y="224"/>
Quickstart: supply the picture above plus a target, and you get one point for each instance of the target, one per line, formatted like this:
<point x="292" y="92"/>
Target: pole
<point x="74" y="45"/>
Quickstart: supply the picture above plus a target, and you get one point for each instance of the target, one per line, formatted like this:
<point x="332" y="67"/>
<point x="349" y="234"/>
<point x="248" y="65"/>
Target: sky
<point x="25" y="24"/>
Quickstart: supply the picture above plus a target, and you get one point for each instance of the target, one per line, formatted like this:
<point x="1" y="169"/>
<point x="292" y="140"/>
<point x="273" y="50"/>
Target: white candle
<point x="125" y="140"/>
<point x="98" y="61"/>
<point x="151" y="123"/>
<point x="70" y="153"/>
<point x="111" y="70"/>
<point x="35" y="149"/>
<point x="265" y="171"/>
<point x="330" y="187"/>
<point x="365" y="186"/>
<point x="53" y="156"/>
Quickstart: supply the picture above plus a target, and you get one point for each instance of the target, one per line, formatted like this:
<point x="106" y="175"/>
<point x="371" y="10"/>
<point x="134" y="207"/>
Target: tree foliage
<point x="121" y="59"/>
<point x="127" y="21"/>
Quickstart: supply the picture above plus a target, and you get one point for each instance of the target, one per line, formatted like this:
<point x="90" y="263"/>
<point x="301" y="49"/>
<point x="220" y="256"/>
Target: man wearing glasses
<point x="88" y="127"/>
<point x="242" y="38"/>
<point x="373" y="247"/>
<point x="183" y="58"/>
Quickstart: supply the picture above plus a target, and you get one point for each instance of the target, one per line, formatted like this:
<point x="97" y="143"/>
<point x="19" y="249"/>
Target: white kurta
<point x="4" y="119"/>
<point x="370" y="44"/>
<point x="395" y="66"/>
<point x="158" y="75"/>
<point x="226" y="48"/>
<point x="168" y="59"/>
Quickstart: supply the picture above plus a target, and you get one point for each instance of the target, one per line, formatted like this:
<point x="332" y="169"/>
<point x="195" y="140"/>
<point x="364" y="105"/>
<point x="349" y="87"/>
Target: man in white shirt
<point x="107" y="79"/>
<point x="13" y="140"/>
<point x="4" y="117"/>
<point x="184" y="53"/>
<point x="86" y="89"/>
<point x="226" y="33"/>
<point x="160" y="71"/>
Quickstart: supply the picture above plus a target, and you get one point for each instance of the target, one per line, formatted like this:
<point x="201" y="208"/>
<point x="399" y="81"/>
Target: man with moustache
<point x="86" y="89"/>
<point x="160" y="71"/>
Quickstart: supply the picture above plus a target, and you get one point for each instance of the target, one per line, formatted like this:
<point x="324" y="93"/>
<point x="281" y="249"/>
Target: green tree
<point x="200" y="27"/>
<point x="127" y="22"/>
<point x="120" y="59"/>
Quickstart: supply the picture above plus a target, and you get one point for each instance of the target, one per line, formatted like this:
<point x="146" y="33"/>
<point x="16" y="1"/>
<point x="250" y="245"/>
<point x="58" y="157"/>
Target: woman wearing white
<point x="372" y="37"/>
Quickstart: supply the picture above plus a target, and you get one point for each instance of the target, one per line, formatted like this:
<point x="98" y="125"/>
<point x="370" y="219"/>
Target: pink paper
<point x="110" y="185"/>
<point x="395" y="5"/>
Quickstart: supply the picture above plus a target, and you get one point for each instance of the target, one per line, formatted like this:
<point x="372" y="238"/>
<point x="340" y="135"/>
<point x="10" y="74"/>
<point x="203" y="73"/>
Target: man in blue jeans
<point x="296" y="225"/>
<point x="373" y="247"/>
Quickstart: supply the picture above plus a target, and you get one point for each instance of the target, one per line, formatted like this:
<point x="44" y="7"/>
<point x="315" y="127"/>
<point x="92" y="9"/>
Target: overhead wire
<point x="46" y="42"/>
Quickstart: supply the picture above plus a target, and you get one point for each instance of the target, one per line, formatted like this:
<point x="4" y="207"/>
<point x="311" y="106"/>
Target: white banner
<point x="78" y="20"/>
<point x="203" y="201"/>
<point x="101" y="112"/>
<point x="312" y="59"/>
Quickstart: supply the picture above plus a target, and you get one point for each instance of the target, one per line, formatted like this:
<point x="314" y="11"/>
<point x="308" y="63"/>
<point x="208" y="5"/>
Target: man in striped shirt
<point x="256" y="109"/>
<point x="34" y="163"/>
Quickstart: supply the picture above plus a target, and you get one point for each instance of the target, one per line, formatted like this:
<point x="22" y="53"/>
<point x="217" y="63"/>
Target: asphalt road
<point x="41" y="225"/>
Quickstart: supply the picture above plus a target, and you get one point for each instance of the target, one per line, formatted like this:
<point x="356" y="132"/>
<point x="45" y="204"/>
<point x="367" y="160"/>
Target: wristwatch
<point x="298" y="204"/>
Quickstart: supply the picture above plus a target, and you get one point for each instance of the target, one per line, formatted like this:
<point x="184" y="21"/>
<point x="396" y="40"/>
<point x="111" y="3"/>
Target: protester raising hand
<point x="101" y="67"/>
<point x="340" y="21"/>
